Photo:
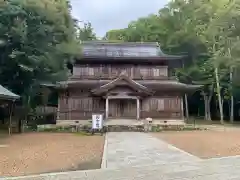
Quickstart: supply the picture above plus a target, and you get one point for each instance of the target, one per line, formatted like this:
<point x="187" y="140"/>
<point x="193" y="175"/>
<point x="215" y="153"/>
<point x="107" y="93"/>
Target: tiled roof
<point x="6" y="94"/>
<point x="121" y="49"/>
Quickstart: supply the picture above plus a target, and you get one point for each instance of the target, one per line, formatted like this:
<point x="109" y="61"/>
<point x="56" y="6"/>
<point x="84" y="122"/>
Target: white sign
<point x="97" y="121"/>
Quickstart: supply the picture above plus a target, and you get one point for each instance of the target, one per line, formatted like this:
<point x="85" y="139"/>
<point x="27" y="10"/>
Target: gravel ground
<point x="204" y="144"/>
<point x="35" y="153"/>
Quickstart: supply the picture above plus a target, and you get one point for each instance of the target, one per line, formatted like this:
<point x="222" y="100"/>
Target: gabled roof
<point x="6" y="94"/>
<point x="121" y="50"/>
<point x="122" y="78"/>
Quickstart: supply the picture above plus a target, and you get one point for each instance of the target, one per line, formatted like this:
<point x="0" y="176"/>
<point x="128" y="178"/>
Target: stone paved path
<point x="214" y="169"/>
<point x="138" y="156"/>
<point x="128" y="149"/>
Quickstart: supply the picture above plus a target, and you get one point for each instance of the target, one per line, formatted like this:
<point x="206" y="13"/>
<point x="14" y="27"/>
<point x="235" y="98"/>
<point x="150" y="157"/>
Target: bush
<point x="83" y="130"/>
<point x="159" y="128"/>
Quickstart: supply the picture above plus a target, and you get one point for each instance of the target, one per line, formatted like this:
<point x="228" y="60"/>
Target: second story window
<point x="144" y="72"/>
<point x="105" y="69"/>
<point x="163" y="71"/>
<point x="90" y="71"/>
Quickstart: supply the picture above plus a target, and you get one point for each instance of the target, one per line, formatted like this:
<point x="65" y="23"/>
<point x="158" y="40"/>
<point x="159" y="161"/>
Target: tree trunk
<point x="231" y="99"/>
<point x="205" y="106"/>
<point x="209" y="103"/>
<point x="209" y="118"/>
<point x="27" y="107"/>
<point x="220" y="104"/>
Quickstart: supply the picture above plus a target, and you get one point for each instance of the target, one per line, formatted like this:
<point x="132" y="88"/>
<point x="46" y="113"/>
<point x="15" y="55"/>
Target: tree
<point x="86" y="33"/>
<point x="207" y="31"/>
<point x="37" y="39"/>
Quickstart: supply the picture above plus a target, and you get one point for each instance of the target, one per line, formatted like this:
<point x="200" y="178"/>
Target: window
<point x="144" y="71"/>
<point x="76" y="71"/>
<point x="156" y="72"/>
<point x="163" y="71"/>
<point x="90" y="71"/>
<point x="160" y="104"/>
<point x="105" y="69"/>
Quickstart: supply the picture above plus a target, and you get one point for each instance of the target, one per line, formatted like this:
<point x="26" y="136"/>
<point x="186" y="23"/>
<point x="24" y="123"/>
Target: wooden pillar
<point x="186" y="107"/>
<point x="182" y="109"/>
<point x="138" y="108"/>
<point x="107" y="108"/>
<point x="10" y="118"/>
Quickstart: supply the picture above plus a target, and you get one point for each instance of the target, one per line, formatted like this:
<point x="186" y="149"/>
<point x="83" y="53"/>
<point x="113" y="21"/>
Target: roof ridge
<point x="156" y="44"/>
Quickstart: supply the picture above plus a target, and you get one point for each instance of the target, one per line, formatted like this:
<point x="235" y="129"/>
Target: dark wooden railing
<point x="109" y="77"/>
<point x="119" y="52"/>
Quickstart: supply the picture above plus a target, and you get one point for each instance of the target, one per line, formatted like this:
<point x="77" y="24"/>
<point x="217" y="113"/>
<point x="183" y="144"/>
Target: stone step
<point x="152" y="128"/>
<point x="124" y="128"/>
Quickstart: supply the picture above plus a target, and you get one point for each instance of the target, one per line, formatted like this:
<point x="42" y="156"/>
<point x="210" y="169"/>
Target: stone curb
<point x="104" y="157"/>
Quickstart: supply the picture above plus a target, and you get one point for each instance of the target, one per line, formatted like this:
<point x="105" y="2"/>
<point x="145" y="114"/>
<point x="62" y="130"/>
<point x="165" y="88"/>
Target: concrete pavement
<point x="127" y="149"/>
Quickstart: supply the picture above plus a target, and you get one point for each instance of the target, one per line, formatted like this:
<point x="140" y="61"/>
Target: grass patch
<point x="83" y="133"/>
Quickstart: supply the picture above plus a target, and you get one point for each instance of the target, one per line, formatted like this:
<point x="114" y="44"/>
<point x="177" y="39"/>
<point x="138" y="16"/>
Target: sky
<point x="105" y="15"/>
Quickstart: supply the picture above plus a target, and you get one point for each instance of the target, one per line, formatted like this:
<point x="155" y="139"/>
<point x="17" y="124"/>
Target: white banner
<point x="97" y="121"/>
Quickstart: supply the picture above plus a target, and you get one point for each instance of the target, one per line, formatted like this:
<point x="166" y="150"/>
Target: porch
<point x="122" y="97"/>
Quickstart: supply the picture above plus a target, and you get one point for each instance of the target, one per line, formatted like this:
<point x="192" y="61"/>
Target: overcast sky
<point x="113" y="14"/>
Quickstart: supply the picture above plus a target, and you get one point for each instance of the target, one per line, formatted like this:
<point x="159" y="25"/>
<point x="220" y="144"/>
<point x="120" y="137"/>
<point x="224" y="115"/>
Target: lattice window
<point x="90" y="71"/>
<point x="105" y="69"/>
<point x="144" y="72"/>
<point x="146" y="105"/>
<point x="156" y="72"/>
<point x="160" y="104"/>
<point x="163" y="71"/>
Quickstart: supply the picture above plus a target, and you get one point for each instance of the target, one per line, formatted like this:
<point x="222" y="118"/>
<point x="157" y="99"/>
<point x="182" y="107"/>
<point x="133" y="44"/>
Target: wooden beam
<point x="122" y="97"/>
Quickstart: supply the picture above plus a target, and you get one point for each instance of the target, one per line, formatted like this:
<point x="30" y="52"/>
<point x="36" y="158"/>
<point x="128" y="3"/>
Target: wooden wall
<point x="162" y="107"/>
<point x="112" y="71"/>
<point x="76" y="107"/>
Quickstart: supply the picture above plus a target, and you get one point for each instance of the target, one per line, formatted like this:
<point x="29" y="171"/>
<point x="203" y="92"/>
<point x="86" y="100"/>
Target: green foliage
<point x="86" y="33"/>
<point x="37" y="39"/>
<point x="207" y="31"/>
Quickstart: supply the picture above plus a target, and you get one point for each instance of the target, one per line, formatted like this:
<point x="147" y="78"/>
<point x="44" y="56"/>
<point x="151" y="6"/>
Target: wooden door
<point x="122" y="108"/>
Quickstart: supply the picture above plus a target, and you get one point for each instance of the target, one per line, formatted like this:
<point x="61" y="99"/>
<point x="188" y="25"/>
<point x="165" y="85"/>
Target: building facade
<point x="121" y="81"/>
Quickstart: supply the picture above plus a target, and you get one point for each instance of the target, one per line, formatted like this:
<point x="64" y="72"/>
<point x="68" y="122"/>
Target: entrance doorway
<point x="122" y="108"/>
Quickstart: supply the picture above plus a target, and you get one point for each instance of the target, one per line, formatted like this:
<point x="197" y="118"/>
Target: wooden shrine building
<point x="130" y="81"/>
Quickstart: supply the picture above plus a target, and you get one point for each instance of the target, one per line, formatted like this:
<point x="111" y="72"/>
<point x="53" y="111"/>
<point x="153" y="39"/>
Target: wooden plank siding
<point x="162" y="107"/>
<point x="146" y="72"/>
<point x="74" y="106"/>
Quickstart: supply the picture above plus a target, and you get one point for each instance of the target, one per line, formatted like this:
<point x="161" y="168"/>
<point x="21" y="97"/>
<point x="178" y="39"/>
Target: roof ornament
<point x="123" y="73"/>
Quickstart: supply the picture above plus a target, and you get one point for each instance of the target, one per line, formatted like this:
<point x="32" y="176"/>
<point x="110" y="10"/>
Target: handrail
<point x="114" y="76"/>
